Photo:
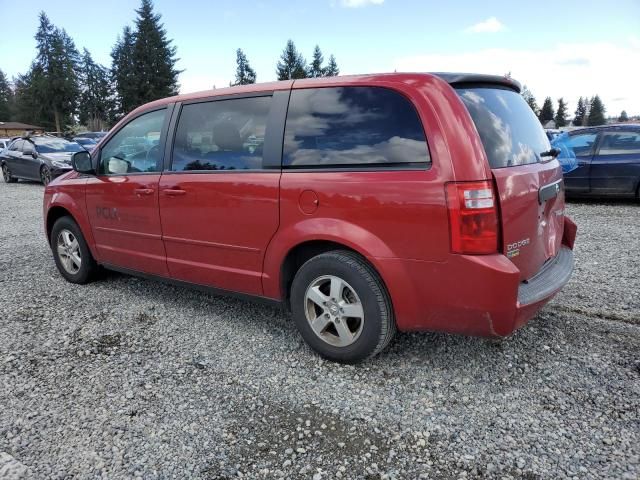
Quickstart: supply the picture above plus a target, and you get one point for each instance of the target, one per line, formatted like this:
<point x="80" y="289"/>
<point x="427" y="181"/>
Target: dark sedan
<point x="39" y="158"/>
<point x="608" y="161"/>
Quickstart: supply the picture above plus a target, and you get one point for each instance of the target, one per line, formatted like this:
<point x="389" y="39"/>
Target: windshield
<point x="510" y="131"/>
<point x="56" y="145"/>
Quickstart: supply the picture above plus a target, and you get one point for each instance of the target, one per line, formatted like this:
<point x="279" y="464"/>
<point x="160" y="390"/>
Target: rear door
<point x="529" y="184"/>
<point x="583" y="145"/>
<point x="122" y="199"/>
<point x="219" y="195"/>
<point x="615" y="169"/>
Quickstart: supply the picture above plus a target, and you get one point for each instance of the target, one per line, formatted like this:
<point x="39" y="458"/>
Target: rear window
<point x="353" y="127"/>
<point x="509" y="130"/>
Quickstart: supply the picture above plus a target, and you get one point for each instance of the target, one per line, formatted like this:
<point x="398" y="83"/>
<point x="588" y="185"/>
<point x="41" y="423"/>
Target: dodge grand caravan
<point x="364" y="204"/>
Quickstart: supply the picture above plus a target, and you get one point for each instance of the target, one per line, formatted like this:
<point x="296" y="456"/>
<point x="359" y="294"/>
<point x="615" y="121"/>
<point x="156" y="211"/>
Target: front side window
<point x="221" y="135"/>
<point x="582" y="144"/>
<point x="620" y="143"/>
<point x="353" y="127"/>
<point x="136" y="146"/>
<point x="16" y="146"/>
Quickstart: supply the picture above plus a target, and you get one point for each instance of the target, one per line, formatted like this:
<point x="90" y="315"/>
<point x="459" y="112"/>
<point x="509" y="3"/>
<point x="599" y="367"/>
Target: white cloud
<point x="359" y="3"/>
<point x="568" y="70"/>
<point x="490" y="25"/>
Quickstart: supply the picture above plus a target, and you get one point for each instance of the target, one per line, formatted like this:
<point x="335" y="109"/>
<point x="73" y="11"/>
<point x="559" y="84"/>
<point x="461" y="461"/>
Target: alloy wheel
<point x="6" y="173"/>
<point x="334" y="311"/>
<point x="45" y="176"/>
<point x="69" y="251"/>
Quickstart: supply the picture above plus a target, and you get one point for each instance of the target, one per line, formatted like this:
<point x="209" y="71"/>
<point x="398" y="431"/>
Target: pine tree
<point x="546" y="113"/>
<point x="26" y="104"/>
<point x="596" y="112"/>
<point x="530" y="99"/>
<point x="581" y="113"/>
<point x="315" y="69"/>
<point x="96" y="102"/>
<point x="245" y="75"/>
<point x="623" y="116"/>
<point x="292" y="64"/>
<point x="332" y="69"/>
<point x="561" y="114"/>
<point x="123" y="72"/>
<point x="54" y="78"/>
<point x="155" y="75"/>
<point x="5" y="98"/>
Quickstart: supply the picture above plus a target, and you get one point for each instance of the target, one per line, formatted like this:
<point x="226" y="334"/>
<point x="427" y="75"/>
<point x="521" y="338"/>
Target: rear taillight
<point x="473" y="217"/>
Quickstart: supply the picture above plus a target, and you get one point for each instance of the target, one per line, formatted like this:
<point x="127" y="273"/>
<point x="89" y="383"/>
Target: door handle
<point x="143" y="191"/>
<point x="174" y="192"/>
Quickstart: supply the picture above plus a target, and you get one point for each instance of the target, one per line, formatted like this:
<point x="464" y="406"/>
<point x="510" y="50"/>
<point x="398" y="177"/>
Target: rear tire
<point x="71" y="253"/>
<point x="6" y="174"/>
<point x="45" y="175"/>
<point x="341" y="307"/>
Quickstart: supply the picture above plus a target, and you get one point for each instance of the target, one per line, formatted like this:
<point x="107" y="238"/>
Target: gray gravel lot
<point x="127" y="377"/>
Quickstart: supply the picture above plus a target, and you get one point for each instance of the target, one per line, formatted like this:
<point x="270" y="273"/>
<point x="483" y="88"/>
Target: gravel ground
<point x="127" y="377"/>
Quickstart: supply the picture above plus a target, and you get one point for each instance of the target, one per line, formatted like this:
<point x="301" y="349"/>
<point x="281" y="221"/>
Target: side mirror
<point x="34" y="154"/>
<point x="81" y="162"/>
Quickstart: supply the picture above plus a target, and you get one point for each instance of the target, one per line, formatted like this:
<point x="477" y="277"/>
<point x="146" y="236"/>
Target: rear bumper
<point x="472" y="295"/>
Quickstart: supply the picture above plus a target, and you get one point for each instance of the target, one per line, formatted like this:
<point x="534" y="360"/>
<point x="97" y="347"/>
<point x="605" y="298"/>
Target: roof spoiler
<point x="470" y="79"/>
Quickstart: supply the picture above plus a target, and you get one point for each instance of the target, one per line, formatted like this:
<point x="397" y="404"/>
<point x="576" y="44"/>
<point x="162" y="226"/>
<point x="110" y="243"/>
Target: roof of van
<point x="454" y="79"/>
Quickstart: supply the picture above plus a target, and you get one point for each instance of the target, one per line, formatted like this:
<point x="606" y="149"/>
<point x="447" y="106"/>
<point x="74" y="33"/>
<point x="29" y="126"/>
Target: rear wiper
<point x="553" y="153"/>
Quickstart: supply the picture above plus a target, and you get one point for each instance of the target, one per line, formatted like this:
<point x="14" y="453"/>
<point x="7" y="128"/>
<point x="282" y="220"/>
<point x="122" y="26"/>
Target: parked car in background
<point x="552" y="133"/>
<point x="608" y="161"/>
<point x="86" y="142"/>
<point x="4" y="143"/>
<point x="39" y="157"/>
<point x="365" y="204"/>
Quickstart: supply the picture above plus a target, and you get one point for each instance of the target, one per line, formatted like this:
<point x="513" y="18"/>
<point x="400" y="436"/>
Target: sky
<point x="566" y="48"/>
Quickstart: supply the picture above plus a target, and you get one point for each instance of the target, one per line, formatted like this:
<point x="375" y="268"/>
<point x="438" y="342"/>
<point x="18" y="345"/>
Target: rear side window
<point x="510" y="132"/>
<point x="582" y="144"/>
<point x="353" y="127"/>
<point x="620" y="143"/>
<point x="221" y="135"/>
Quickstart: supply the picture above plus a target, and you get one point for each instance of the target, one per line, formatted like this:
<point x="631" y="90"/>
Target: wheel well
<point x="54" y="214"/>
<point x="298" y="255"/>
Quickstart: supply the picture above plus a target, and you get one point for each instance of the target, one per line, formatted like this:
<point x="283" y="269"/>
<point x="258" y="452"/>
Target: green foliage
<point x="155" y="75"/>
<point x="292" y="64"/>
<point x="623" y="116"/>
<point x="561" y="114"/>
<point x="546" y="113"/>
<point x="123" y="72"/>
<point x="530" y="99"/>
<point x="581" y="113"/>
<point x="315" y="68"/>
<point x="96" y="100"/>
<point x="6" y="97"/>
<point x="332" y="69"/>
<point x="596" y="112"/>
<point x="245" y="75"/>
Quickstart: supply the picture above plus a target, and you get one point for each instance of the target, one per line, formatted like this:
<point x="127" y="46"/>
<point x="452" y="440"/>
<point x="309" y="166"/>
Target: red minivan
<point x="364" y="204"/>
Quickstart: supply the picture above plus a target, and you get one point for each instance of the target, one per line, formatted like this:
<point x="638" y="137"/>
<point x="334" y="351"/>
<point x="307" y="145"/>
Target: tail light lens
<point x="473" y="217"/>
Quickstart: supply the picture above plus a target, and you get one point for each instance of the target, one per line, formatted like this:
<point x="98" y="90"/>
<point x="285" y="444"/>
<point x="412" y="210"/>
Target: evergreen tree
<point x="546" y="113"/>
<point x="26" y="104"/>
<point x="5" y="98"/>
<point x="123" y="72"/>
<point x="292" y="64"/>
<point x="596" y="112"/>
<point x="96" y="102"/>
<point x="530" y="99"/>
<point x="315" y="69"/>
<point x="54" y="76"/>
<point x="245" y="75"/>
<point x="561" y="114"/>
<point x="623" y="116"/>
<point x="581" y="113"/>
<point x="332" y="69"/>
<point x="155" y="75"/>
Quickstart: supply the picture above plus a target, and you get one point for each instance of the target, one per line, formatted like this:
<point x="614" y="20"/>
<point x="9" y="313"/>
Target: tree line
<point x="589" y="111"/>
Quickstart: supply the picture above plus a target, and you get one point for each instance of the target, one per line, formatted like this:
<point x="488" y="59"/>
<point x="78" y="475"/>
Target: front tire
<point x="45" y="175"/>
<point x="6" y="174"/>
<point x="71" y="253"/>
<point x="341" y="307"/>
